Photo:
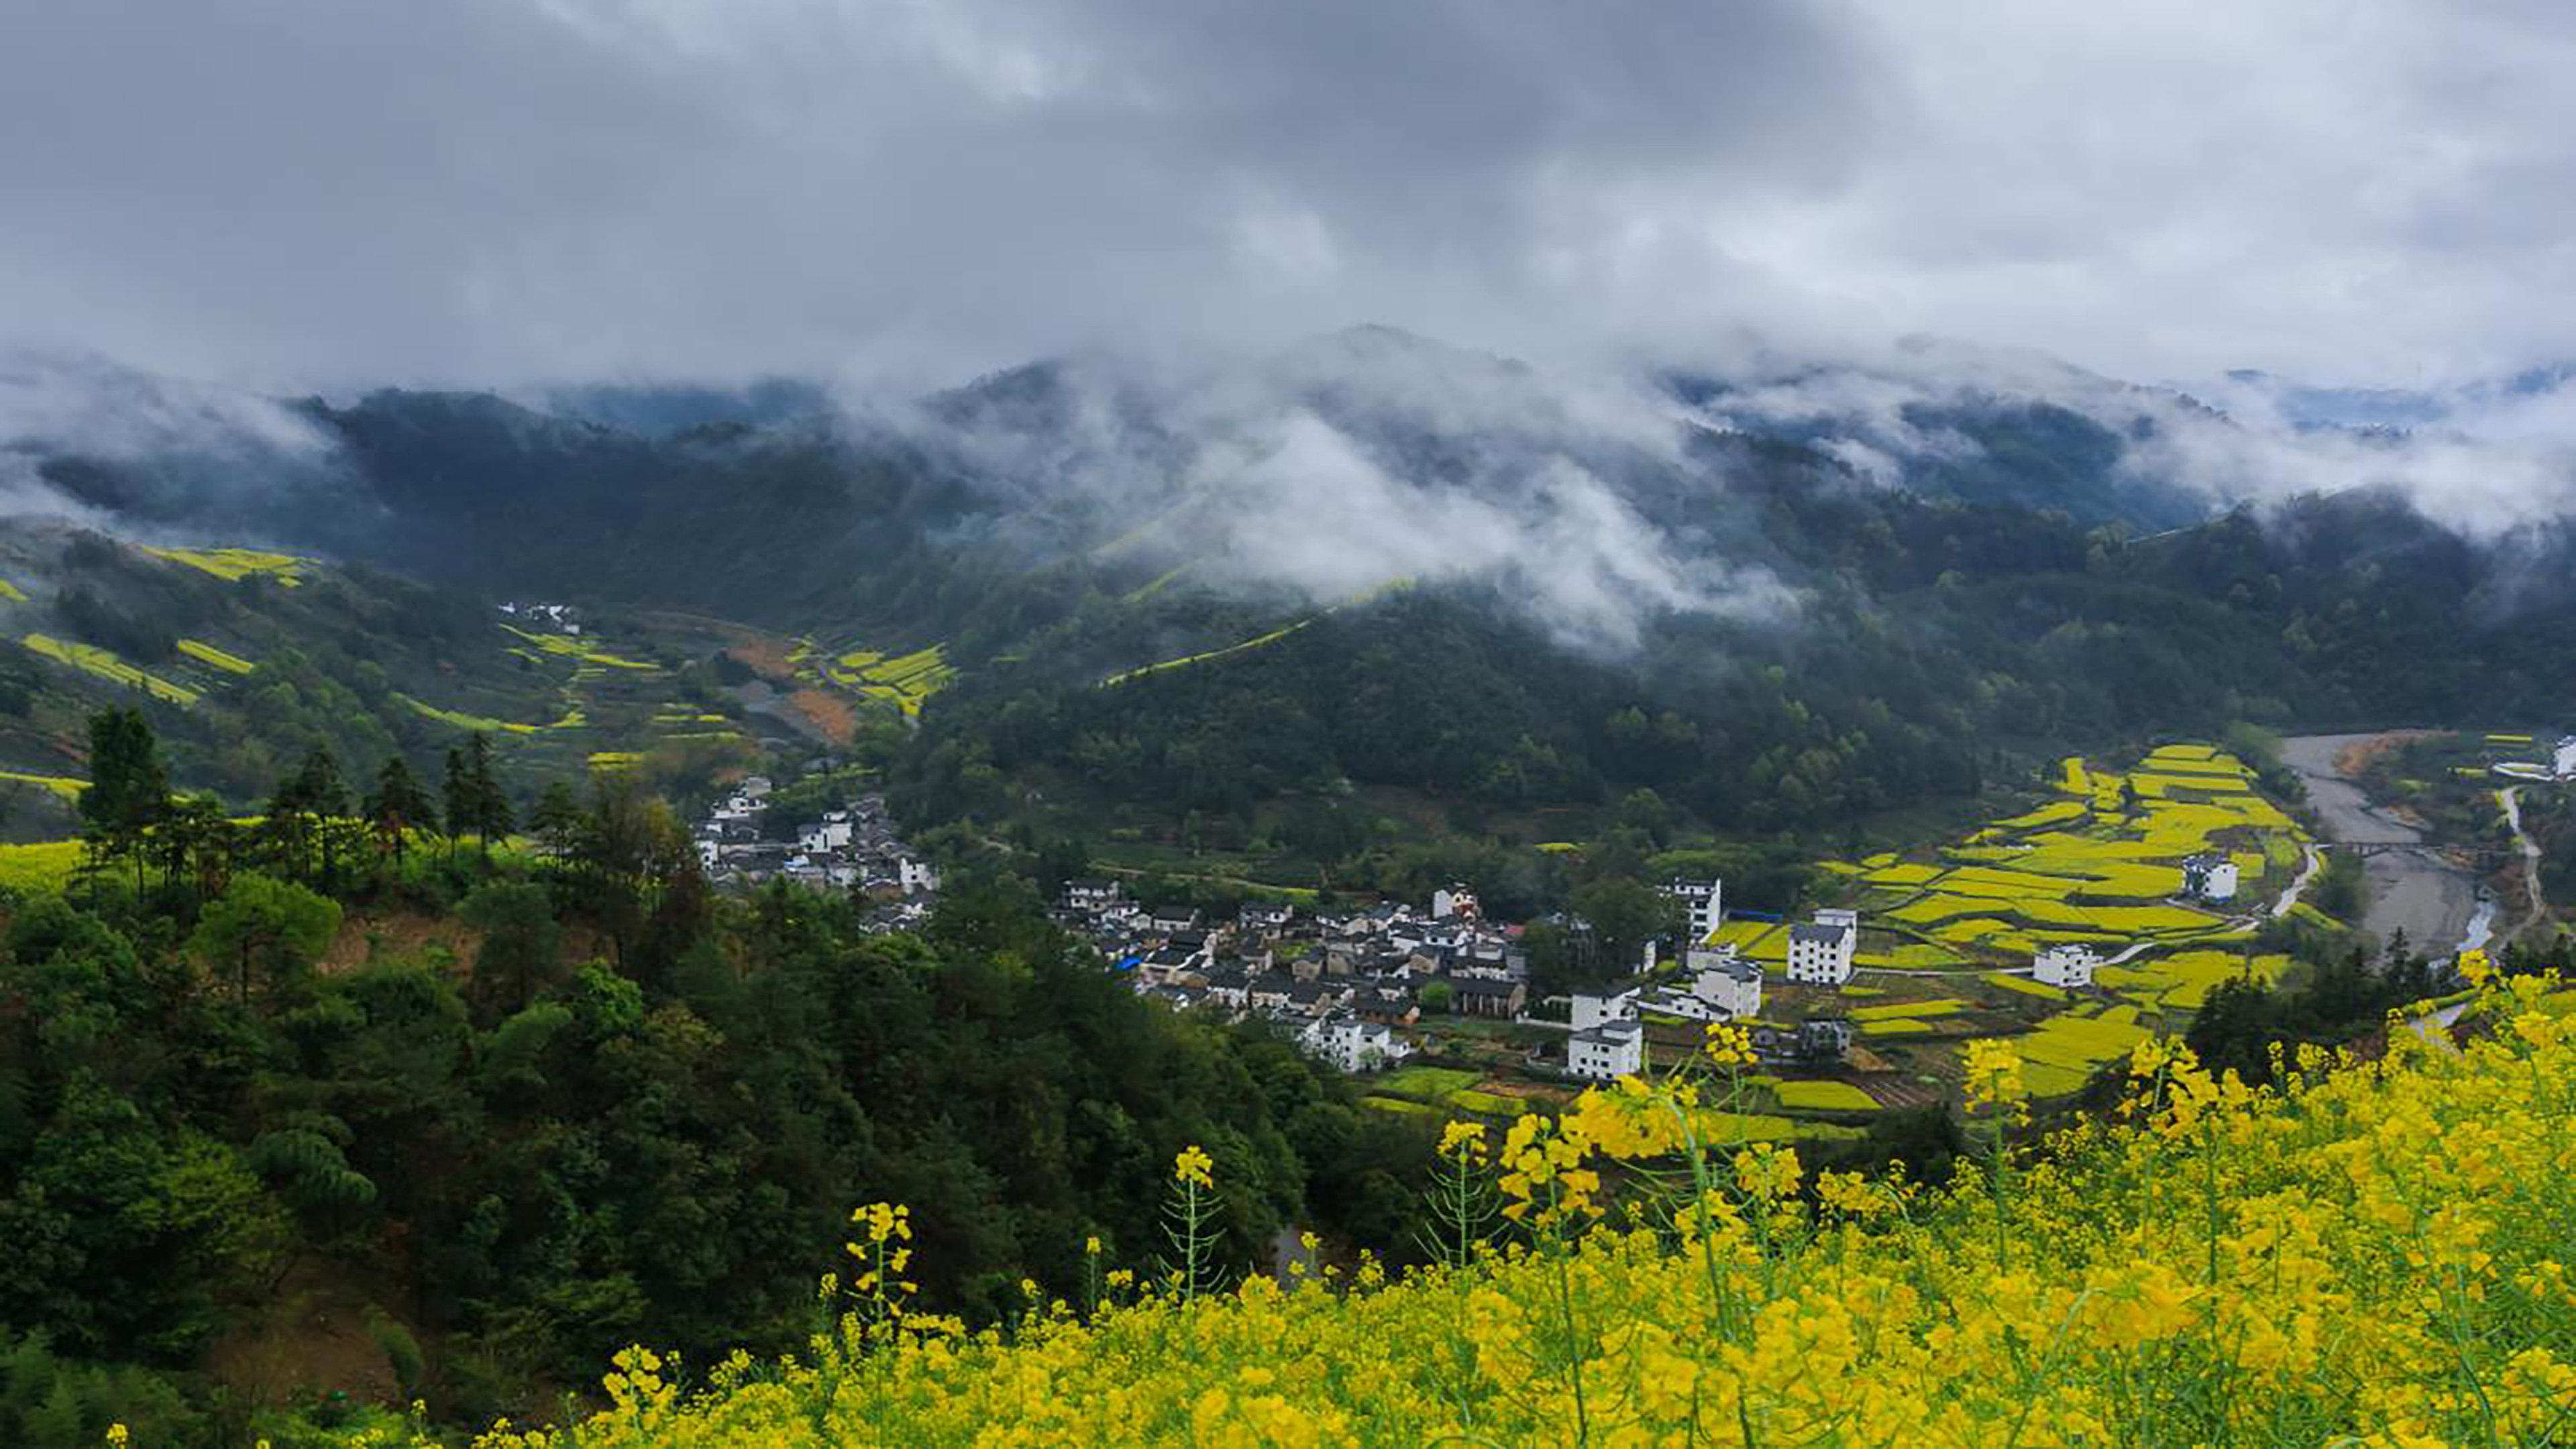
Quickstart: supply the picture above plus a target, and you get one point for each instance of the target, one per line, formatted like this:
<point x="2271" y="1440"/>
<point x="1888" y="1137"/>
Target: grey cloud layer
<point x="1367" y="459"/>
<point x="2484" y="460"/>
<point x="509" y="188"/>
<point x="302" y="193"/>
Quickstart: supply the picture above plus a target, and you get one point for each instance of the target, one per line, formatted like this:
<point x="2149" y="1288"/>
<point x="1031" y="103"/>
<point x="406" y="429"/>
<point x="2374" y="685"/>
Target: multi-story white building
<point x="1352" y="1044"/>
<point x="2209" y="877"/>
<point x="2067" y="966"/>
<point x="1704" y="900"/>
<point x="1587" y="1011"/>
<point x="1820" y="952"/>
<point x="1731" y="985"/>
<point x="830" y="833"/>
<point x="1612" y="1049"/>
<point x="1092" y="895"/>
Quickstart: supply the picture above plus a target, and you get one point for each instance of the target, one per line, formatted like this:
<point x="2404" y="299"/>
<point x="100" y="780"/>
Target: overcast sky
<point x="312" y="192"/>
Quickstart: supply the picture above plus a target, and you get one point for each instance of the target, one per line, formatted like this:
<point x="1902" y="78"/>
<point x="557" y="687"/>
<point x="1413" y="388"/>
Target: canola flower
<point x="1995" y="1083"/>
<point x="2372" y="1254"/>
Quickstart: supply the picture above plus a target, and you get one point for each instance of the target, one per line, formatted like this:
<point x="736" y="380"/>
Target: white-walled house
<point x="1821" y="951"/>
<point x="916" y="876"/>
<point x="1731" y="985"/>
<point x="1453" y="901"/>
<point x="2068" y="966"/>
<point x="1092" y="895"/>
<point x="1704" y="900"/>
<point x="1588" y="1011"/>
<point x="1612" y="1049"/>
<point x="2209" y="877"/>
<point x="826" y="835"/>
<point x="1352" y="1044"/>
<point x="2563" y="763"/>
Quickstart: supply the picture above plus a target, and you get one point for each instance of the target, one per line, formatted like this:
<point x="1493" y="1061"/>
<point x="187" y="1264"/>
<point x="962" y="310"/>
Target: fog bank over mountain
<point x="1325" y="472"/>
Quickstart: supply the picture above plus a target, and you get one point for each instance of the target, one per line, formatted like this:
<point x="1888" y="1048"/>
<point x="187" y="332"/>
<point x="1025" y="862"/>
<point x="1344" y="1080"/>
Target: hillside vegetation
<point x="322" y="1107"/>
<point x="247" y="661"/>
<point x="2373" y="1252"/>
<point x="979" y="574"/>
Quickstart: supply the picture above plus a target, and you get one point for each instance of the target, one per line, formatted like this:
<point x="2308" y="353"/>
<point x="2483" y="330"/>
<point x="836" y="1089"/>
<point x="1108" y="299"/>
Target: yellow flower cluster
<point x="1194" y="1168"/>
<point x="2372" y="1254"/>
<point x="883" y="1259"/>
<point x="1463" y="1142"/>
<point x="1729" y="1045"/>
<point x="1544" y="1179"/>
<point x="1995" y="1084"/>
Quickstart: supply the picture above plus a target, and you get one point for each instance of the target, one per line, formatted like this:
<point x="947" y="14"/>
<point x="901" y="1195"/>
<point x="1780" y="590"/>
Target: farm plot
<point x="232" y="565"/>
<point x="2101" y="864"/>
<point x="90" y="659"/>
<point x="1758" y="940"/>
<point x="1824" y="1096"/>
<point x="905" y="681"/>
<point x="2068" y="1048"/>
<point x="2184" y="979"/>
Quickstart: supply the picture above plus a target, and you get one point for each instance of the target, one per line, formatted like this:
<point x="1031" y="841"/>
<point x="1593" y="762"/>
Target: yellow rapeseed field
<point x="2373" y="1254"/>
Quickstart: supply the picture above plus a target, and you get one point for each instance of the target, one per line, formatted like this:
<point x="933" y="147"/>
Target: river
<point x="2433" y="901"/>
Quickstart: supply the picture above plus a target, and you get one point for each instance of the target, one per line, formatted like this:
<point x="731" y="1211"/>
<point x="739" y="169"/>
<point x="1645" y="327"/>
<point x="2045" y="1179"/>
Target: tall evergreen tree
<point x="557" y="820"/>
<point x="475" y="800"/>
<point x="129" y="788"/>
<point x="493" y="817"/>
<point x="456" y="794"/>
<point x="398" y="806"/>
<point x="302" y="815"/>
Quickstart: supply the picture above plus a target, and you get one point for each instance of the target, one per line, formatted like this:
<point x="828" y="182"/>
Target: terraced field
<point x="1949" y="932"/>
<point x="235" y="564"/>
<point x="90" y="659"/>
<point x="2097" y="867"/>
<point x="905" y="681"/>
<point x="1273" y="637"/>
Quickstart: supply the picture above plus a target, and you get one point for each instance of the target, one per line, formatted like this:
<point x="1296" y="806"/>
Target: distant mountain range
<point x="1928" y="548"/>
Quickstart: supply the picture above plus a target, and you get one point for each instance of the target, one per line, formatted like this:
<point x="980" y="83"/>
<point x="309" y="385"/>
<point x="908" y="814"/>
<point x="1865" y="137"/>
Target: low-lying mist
<point x="1369" y="458"/>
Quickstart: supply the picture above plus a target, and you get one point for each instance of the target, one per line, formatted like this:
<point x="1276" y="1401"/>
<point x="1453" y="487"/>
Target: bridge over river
<point x="2481" y="855"/>
<point x="2416" y="885"/>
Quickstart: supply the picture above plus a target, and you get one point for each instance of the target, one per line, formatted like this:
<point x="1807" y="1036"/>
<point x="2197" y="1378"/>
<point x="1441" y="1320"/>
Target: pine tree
<point x="399" y="806"/>
<point x="324" y="794"/>
<point x="557" y="820"/>
<point x="493" y="816"/>
<point x="129" y="788"/>
<point x="303" y="812"/>
<point x="457" y="794"/>
<point x="475" y="801"/>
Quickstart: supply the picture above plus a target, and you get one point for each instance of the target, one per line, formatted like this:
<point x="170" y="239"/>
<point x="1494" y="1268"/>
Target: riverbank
<point x="2415" y="891"/>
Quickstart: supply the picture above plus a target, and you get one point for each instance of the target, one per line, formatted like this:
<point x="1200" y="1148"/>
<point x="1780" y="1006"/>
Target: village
<point x="854" y="848"/>
<point x="1366" y="990"/>
<point x="1372" y="988"/>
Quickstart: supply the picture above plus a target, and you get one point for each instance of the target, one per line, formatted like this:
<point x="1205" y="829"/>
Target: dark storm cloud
<point x="323" y="193"/>
<point x="507" y="188"/>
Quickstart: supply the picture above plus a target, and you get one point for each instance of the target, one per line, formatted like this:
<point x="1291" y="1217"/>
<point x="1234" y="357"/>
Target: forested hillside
<point x="1929" y="635"/>
<point x="2366" y="1252"/>
<point x="246" y="660"/>
<point x="1786" y="645"/>
<point x="334" y="1102"/>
